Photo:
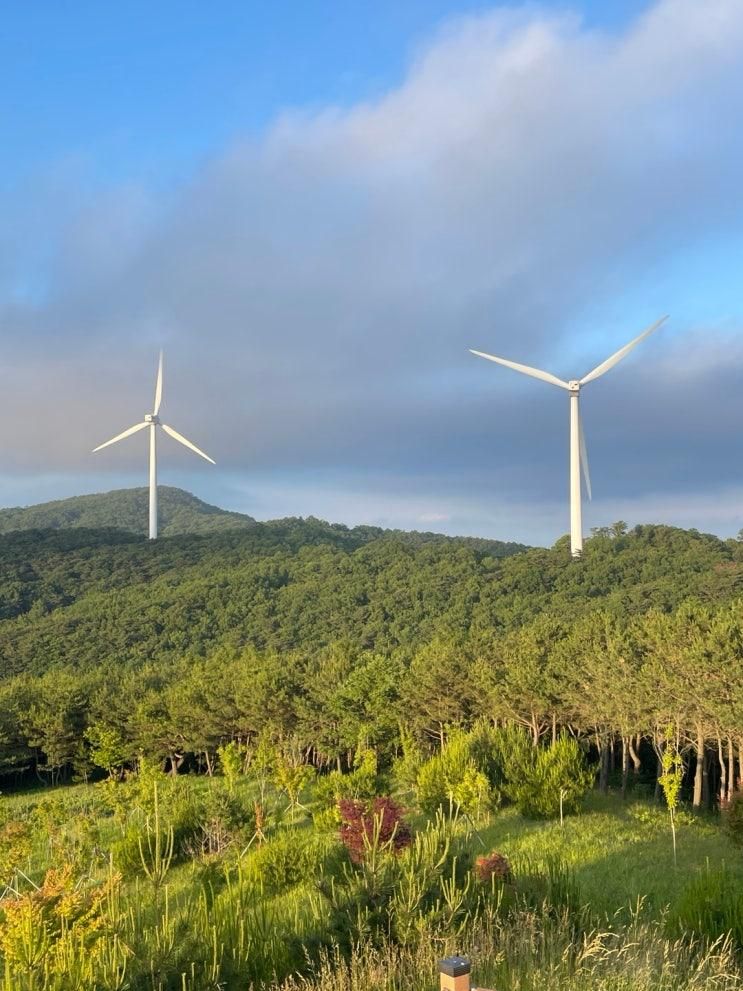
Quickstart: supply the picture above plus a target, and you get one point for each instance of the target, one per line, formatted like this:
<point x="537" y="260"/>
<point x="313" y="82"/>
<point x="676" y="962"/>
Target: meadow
<point x="241" y="881"/>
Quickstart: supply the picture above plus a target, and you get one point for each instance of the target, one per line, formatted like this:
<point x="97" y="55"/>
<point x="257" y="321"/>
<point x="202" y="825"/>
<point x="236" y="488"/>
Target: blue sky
<point x="154" y="88"/>
<point x="317" y="207"/>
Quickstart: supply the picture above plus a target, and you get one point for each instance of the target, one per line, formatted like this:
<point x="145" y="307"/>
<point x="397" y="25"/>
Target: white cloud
<point x="316" y="290"/>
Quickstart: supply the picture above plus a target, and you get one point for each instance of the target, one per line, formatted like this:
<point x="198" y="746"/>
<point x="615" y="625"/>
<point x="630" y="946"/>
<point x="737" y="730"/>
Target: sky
<point x="316" y="208"/>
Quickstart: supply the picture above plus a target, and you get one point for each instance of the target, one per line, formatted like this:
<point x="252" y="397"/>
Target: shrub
<point x="289" y="858"/>
<point x="378" y="822"/>
<point x="361" y="783"/>
<point x="492" y="865"/>
<point x="451" y="777"/>
<point x="557" y="781"/>
<point x="407" y="767"/>
<point x="513" y="756"/>
<point x="222" y="822"/>
<point x="178" y="815"/>
<point x="733" y="818"/>
<point x="232" y="761"/>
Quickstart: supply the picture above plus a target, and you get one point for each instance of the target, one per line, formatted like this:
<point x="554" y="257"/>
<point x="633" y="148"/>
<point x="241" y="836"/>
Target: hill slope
<point x="125" y="509"/>
<point x="89" y="597"/>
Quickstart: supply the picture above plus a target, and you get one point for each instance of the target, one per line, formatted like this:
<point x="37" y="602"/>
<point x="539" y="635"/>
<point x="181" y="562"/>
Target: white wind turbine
<point x="578" y="454"/>
<point x="152" y="420"/>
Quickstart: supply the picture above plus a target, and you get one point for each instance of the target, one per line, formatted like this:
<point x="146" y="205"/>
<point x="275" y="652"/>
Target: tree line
<point x="617" y="684"/>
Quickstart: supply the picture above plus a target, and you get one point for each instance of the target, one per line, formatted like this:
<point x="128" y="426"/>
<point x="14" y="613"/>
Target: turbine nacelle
<point x="151" y="418"/>
<point x="574" y="385"/>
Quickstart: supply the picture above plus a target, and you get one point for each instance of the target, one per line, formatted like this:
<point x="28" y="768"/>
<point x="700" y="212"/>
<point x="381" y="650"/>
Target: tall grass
<point x="115" y="893"/>
<point x="533" y="952"/>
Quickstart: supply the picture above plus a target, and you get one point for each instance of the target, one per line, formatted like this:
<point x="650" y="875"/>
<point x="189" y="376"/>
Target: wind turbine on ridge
<point x="578" y="453"/>
<point x="153" y="421"/>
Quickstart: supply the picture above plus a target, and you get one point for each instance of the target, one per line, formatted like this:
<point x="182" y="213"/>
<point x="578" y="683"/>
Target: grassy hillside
<point x="595" y="905"/>
<point x="125" y="509"/>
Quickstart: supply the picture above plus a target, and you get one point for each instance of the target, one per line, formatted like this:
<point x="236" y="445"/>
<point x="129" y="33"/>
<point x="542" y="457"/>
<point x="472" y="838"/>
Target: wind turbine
<point x="153" y="421"/>
<point x="578" y="453"/>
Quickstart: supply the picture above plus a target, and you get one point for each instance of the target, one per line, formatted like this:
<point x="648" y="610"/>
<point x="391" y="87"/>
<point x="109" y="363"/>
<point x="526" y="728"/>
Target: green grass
<point x="619" y="852"/>
<point x="243" y="916"/>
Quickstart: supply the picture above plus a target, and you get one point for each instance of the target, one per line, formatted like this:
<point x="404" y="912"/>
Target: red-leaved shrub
<point x="492" y="865"/>
<point x="364" y="823"/>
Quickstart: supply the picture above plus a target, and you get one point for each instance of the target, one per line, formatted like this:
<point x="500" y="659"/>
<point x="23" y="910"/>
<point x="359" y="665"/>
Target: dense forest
<point x="323" y="635"/>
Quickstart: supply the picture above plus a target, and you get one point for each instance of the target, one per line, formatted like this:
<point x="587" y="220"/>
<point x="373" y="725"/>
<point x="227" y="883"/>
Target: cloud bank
<point x="533" y="188"/>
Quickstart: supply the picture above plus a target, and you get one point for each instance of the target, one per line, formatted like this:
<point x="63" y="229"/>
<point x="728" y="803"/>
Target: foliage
<point x="672" y="778"/>
<point x="107" y="747"/>
<point x="232" y="761"/>
<point x="733" y="818"/>
<point x="491" y="866"/>
<point x="376" y="823"/>
<point x="556" y="781"/>
<point x="361" y="783"/>
<point x="291" y="858"/>
<point x="451" y="778"/>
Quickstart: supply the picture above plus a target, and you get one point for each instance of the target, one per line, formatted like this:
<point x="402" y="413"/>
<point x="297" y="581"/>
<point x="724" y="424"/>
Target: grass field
<point x="594" y="903"/>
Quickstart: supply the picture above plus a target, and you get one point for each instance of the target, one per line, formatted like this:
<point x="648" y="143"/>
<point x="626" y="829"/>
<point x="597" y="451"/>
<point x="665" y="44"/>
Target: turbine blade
<point x="186" y="443"/>
<point x="526" y="369"/>
<point x="584" y="457"/>
<point x="621" y="353"/>
<point x="159" y="386"/>
<point x="121" y="436"/>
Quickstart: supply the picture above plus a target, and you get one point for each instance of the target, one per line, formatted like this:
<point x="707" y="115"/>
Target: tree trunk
<point x="698" y="796"/>
<point x="723" y="772"/>
<point x="731" y="769"/>
<point x="658" y="773"/>
<point x="635" y="757"/>
<point x="554" y="727"/>
<point x="625" y="765"/>
<point x="604" y="772"/>
<point x="705" y="780"/>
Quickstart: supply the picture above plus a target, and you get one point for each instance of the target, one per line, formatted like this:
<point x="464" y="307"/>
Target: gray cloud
<point x="316" y="290"/>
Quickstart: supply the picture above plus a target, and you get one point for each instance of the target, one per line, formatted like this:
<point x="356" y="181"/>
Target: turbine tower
<point x="578" y="454"/>
<point x="153" y="421"/>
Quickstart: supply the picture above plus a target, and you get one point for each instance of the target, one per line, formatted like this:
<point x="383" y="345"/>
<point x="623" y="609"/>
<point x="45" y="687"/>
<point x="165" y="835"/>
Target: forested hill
<point x="125" y="509"/>
<point x="92" y="598"/>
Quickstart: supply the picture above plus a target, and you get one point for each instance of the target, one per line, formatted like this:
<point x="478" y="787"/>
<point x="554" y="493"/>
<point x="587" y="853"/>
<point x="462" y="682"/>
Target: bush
<point x="361" y="783"/>
<point x="289" y="858"/>
<point x="377" y="823"/>
<point x="513" y="757"/>
<point x="222" y="822"/>
<point x="492" y="865"/>
<point x="732" y="819"/>
<point x="232" y="756"/>
<point x="451" y="777"/>
<point x="179" y="814"/>
<point x="558" y="779"/>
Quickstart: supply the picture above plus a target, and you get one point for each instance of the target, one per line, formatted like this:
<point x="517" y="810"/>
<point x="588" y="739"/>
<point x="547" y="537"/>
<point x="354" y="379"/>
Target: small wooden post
<point x="455" y="974"/>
